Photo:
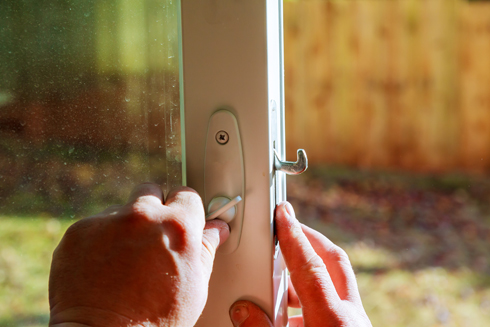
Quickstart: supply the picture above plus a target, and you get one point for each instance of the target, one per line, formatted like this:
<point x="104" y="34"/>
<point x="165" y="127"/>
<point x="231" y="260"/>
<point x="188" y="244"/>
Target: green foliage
<point x="427" y="297"/>
<point x="26" y="246"/>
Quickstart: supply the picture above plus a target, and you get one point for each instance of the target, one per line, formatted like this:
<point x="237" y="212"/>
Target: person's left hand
<point x="142" y="264"/>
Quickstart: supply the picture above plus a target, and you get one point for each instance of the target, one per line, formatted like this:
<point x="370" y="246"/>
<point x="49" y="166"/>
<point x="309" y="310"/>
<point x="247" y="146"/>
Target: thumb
<point x="215" y="233"/>
<point x="247" y="314"/>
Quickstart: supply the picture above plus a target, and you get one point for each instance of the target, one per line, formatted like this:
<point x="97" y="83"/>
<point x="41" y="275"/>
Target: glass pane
<point x="89" y="107"/>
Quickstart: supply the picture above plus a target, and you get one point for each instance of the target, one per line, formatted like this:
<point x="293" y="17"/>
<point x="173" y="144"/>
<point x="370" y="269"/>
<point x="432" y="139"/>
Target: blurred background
<point x="389" y="98"/>
<point x="89" y="107"/>
<point x="391" y="101"/>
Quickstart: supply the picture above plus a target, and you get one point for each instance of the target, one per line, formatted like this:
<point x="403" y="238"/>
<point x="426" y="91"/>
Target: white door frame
<point x="232" y="58"/>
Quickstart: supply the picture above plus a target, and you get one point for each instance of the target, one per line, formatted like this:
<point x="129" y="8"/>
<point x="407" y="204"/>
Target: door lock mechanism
<point x="223" y="208"/>
<point x="224" y="175"/>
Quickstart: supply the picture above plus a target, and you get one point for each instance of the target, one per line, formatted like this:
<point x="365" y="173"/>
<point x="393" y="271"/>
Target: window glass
<point x="89" y="107"/>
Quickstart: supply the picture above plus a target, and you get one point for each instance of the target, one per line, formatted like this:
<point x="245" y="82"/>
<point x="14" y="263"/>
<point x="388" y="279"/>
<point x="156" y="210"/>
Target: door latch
<point x="292" y="168"/>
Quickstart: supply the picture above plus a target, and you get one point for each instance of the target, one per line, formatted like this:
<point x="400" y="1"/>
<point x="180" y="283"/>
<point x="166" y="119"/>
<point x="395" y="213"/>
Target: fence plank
<point x="389" y="84"/>
<point x="475" y="86"/>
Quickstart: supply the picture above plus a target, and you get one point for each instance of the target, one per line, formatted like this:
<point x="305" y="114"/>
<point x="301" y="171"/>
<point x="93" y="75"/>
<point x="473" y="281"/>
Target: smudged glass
<point x="89" y="103"/>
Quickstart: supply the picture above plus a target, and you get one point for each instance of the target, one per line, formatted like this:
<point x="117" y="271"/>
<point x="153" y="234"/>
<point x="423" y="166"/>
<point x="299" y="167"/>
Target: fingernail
<point x="222" y="227"/>
<point x="290" y="210"/>
<point x="239" y="313"/>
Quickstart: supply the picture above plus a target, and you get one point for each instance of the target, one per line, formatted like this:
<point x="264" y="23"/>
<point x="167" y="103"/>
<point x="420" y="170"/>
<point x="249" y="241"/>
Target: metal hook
<point x="292" y="168"/>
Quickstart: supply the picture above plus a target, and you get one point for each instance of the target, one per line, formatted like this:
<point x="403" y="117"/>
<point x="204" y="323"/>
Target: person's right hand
<point x="323" y="282"/>
<point x="146" y="263"/>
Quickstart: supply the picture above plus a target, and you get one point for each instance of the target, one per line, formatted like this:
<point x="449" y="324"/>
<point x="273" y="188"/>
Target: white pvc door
<point x="232" y="84"/>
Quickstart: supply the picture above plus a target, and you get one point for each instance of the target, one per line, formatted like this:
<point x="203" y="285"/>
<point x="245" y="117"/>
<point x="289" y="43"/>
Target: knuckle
<point x="294" y="232"/>
<point x="340" y="255"/>
<point x="312" y="268"/>
<point x="140" y="210"/>
<point x="210" y="247"/>
<point x="177" y="226"/>
<point x="355" y="314"/>
<point x="184" y="195"/>
<point x="179" y="233"/>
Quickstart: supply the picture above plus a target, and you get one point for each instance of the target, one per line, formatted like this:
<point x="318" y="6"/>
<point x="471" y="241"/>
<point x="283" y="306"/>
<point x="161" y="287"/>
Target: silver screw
<point x="222" y="137"/>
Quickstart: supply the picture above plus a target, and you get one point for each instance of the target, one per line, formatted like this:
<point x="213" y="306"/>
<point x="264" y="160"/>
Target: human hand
<point x="142" y="264"/>
<point x="322" y="281"/>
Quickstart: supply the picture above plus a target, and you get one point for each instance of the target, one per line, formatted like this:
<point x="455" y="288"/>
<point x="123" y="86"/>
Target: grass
<point x="26" y="245"/>
<point x="426" y="297"/>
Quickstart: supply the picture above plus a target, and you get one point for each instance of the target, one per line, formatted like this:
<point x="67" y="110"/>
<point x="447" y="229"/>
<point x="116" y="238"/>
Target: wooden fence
<point x="401" y="84"/>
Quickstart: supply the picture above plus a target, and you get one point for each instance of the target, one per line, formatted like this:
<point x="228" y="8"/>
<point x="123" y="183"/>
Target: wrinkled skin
<point x="142" y="264"/>
<point x="148" y="263"/>
<point x="322" y="281"/>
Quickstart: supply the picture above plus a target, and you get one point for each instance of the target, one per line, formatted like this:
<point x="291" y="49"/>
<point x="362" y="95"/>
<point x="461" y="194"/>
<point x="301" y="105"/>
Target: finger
<point x="215" y="233"/>
<point x="293" y="300"/>
<point x="145" y="203"/>
<point x="146" y="192"/>
<point x="248" y="314"/>
<point x="188" y="201"/>
<point x="296" y="321"/>
<point x="338" y="263"/>
<point x="308" y="272"/>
